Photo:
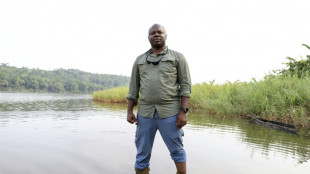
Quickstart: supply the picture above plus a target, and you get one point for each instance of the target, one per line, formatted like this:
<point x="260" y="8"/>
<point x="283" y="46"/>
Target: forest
<point x="13" y="79"/>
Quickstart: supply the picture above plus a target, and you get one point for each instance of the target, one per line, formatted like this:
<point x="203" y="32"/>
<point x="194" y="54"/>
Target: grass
<point x="113" y="95"/>
<point x="284" y="99"/>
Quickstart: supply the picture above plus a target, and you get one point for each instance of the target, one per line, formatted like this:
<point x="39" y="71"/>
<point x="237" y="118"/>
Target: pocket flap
<point x="168" y="59"/>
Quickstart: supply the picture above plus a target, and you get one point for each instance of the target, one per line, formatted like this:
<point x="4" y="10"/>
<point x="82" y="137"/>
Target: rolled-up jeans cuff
<point x="141" y="166"/>
<point x="179" y="156"/>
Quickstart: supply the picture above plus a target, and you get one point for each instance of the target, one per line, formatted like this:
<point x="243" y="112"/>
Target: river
<point x="71" y="134"/>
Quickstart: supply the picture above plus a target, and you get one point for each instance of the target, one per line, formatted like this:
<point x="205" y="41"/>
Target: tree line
<point x="57" y="81"/>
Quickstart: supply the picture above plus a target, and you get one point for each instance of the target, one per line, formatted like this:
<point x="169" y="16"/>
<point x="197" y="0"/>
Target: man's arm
<point x="133" y="93"/>
<point x="181" y="119"/>
<point x="184" y="80"/>
<point x="184" y="77"/>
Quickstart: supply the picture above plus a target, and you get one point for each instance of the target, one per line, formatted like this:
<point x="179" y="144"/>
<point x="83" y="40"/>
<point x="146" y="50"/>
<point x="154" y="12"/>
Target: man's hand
<point x="131" y="118"/>
<point x="181" y="120"/>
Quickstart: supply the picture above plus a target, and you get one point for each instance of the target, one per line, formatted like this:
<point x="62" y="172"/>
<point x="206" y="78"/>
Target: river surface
<point x="71" y="134"/>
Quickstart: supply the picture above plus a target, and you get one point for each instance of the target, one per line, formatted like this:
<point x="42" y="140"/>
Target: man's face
<point x="157" y="36"/>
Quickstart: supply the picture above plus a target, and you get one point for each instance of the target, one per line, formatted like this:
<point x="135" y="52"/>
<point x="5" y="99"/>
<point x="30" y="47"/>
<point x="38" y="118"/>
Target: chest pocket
<point x="143" y="67"/>
<point x="168" y="65"/>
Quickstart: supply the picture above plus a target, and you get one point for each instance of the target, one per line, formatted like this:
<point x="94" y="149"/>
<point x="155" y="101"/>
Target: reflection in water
<point x="65" y="133"/>
<point x="257" y="137"/>
<point x="44" y="102"/>
<point x="110" y="106"/>
<point x="270" y="141"/>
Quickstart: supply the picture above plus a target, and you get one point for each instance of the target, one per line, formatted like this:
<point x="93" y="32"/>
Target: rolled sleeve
<point x="184" y="77"/>
<point x="134" y="85"/>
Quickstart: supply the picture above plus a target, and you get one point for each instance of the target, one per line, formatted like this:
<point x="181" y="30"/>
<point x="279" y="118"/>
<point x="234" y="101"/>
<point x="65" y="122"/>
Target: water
<point x="71" y="134"/>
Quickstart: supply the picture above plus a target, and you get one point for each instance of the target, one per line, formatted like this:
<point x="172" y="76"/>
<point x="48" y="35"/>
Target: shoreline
<point x="274" y="122"/>
<point x="279" y="99"/>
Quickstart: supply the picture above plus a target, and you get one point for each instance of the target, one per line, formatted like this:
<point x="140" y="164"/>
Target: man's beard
<point x="158" y="44"/>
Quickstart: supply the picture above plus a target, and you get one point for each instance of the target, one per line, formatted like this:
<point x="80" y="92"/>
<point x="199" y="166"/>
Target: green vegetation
<point x="283" y="96"/>
<point x="285" y="99"/>
<point x="297" y="68"/>
<point x="57" y="81"/>
<point x="114" y="95"/>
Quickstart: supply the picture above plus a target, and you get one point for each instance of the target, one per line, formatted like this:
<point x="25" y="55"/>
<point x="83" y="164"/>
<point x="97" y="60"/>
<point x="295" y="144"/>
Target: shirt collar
<point x="164" y="51"/>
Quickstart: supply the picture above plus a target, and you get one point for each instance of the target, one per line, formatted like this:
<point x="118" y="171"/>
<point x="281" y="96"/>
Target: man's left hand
<point x="181" y="120"/>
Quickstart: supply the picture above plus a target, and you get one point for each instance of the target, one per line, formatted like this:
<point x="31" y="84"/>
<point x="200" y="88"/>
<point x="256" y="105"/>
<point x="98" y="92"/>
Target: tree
<point x="299" y="68"/>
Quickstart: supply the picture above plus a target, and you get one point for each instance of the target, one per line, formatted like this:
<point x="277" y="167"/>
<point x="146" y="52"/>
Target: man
<point x="162" y="77"/>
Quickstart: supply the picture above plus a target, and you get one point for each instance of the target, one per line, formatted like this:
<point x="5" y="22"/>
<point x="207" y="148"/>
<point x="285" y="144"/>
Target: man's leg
<point x="145" y="134"/>
<point x="181" y="167"/>
<point x="173" y="140"/>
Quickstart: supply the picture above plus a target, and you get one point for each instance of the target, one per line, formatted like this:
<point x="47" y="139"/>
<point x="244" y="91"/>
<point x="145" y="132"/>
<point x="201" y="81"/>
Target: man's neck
<point x="156" y="51"/>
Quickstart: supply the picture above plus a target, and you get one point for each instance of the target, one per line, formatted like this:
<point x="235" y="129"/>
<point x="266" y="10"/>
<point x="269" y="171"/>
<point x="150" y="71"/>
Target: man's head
<point x="157" y="36"/>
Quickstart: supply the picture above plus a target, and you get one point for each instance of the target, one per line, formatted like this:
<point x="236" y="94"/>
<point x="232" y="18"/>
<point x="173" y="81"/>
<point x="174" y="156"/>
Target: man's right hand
<point x="131" y="118"/>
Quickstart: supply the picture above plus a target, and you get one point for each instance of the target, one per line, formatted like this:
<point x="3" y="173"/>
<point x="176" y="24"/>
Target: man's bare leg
<point x="181" y="167"/>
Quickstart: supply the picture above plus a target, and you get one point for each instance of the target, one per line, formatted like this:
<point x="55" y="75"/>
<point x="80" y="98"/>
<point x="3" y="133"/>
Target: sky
<point x="222" y="40"/>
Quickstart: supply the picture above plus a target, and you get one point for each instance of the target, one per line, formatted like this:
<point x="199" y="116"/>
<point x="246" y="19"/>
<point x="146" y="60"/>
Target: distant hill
<point x="57" y="81"/>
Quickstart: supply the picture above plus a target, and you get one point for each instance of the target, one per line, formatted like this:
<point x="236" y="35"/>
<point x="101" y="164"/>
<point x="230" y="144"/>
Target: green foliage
<point x="58" y="81"/>
<point x="296" y="67"/>
<point x="113" y="95"/>
<point x="285" y="99"/>
<point x="281" y="98"/>
<point x="278" y="98"/>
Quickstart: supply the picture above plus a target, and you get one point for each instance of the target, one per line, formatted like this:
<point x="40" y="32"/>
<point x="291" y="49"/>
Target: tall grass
<point x="278" y="98"/>
<point x="113" y="95"/>
<point x="285" y="99"/>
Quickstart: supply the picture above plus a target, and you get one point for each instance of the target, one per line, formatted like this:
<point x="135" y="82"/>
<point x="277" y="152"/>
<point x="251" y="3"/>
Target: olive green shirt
<point x="161" y="86"/>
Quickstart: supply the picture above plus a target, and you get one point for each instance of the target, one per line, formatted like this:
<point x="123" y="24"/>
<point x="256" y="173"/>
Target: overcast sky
<point x="221" y="39"/>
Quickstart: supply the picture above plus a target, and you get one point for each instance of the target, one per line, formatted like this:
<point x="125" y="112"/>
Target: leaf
<point x="306" y="46"/>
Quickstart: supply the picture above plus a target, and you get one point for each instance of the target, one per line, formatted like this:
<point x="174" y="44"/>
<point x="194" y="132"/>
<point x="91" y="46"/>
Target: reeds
<point x="285" y="99"/>
<point x="112" y="95"/>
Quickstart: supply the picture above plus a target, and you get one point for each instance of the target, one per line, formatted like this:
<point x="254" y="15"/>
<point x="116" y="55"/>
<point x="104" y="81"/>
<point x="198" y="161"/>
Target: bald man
<point x="162" y="77"/>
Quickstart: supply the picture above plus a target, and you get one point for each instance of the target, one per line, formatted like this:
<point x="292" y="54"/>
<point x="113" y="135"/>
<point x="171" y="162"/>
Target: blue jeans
<point x="145" y="134"/>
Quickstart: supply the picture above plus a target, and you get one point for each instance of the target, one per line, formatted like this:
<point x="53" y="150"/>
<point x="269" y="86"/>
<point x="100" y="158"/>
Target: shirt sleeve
<point x="184" y="77"/>
<point x="134" y="85"/>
